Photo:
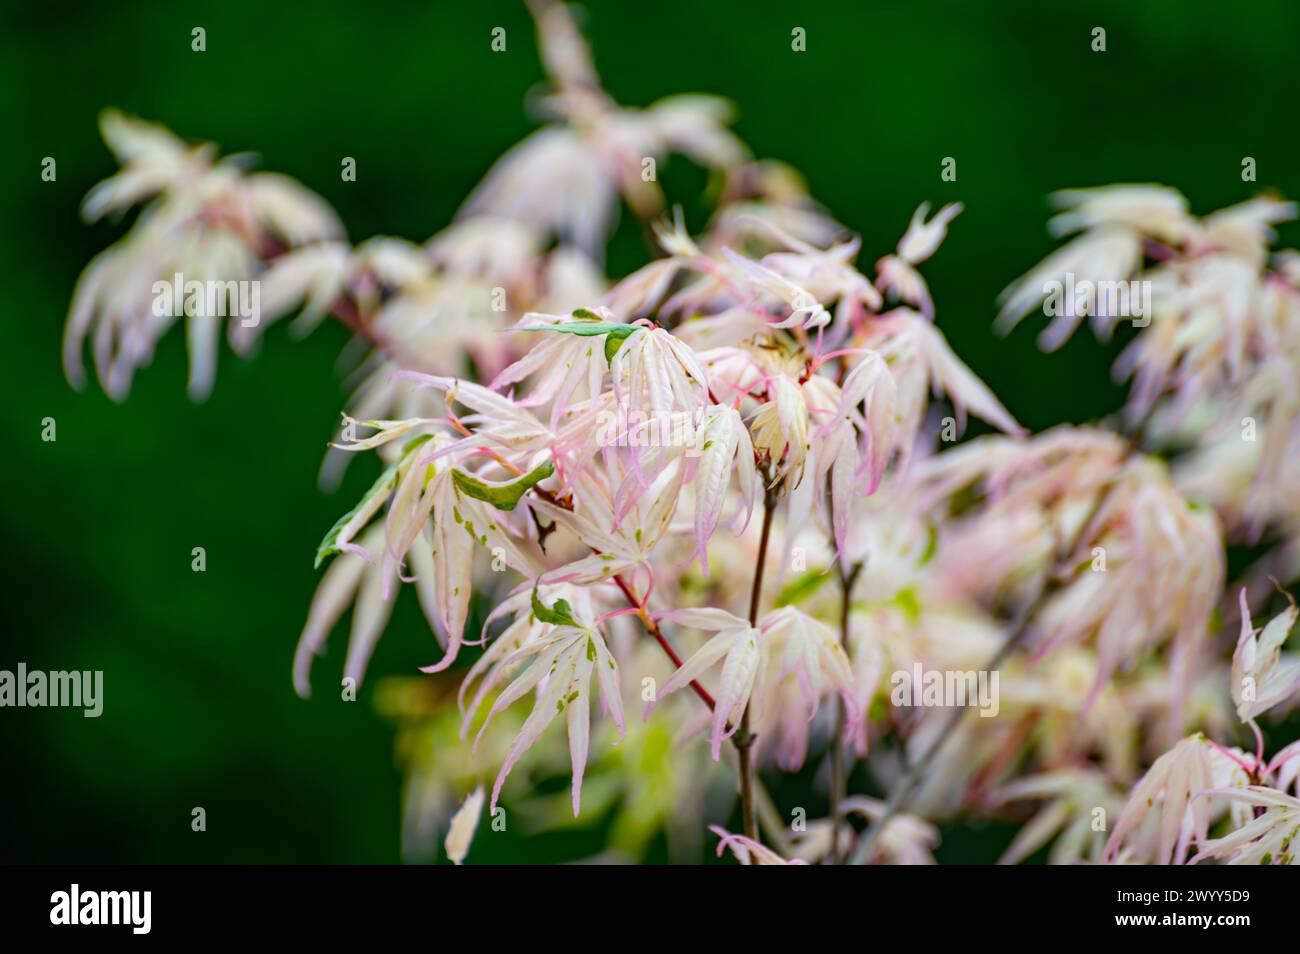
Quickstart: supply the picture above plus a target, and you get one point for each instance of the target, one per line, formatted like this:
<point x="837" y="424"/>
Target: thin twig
<point x="744" y="738"/>
<point x="839" y="770"/>
<point x="765" y="805"/>
<point x="652" y="627"/>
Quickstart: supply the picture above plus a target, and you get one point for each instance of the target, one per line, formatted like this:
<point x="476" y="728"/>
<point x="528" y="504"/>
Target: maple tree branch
<point x="744" y="738"/>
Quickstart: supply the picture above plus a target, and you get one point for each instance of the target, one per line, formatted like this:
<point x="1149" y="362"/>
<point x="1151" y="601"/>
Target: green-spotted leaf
<point x="612" y="344"/>
<point x="502" y="496"/>
<point x="587" y="329"/>
<point x="352" y="522"/>
<point x="591" y="325"/>
<point x="558" y="615"/>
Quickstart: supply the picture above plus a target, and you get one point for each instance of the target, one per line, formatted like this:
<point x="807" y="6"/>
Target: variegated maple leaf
<point x="559" y="670"/>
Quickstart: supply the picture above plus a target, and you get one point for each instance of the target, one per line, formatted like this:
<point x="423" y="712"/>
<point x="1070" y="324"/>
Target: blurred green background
<point x="98" y="526"/>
